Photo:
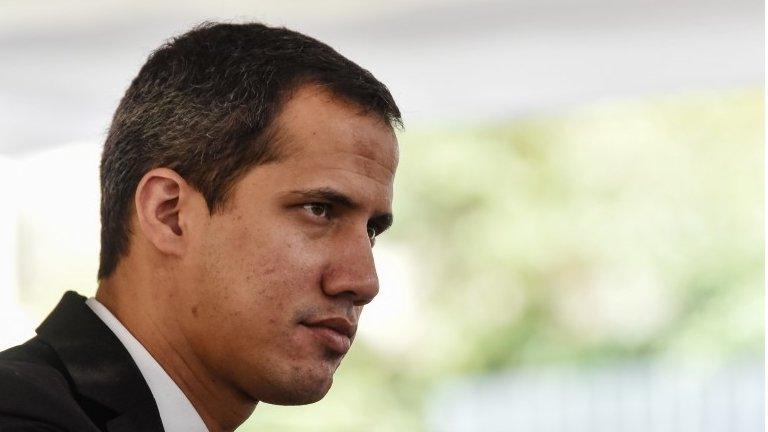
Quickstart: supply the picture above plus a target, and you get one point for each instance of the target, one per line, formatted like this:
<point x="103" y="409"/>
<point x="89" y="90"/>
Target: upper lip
<point x="339" y="324"/>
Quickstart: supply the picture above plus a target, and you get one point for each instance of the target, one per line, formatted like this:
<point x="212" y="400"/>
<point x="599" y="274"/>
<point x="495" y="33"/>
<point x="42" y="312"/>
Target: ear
<point x="161" y="199"/>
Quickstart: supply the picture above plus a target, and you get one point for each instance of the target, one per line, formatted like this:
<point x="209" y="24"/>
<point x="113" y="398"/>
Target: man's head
<point x="250" y="168"/>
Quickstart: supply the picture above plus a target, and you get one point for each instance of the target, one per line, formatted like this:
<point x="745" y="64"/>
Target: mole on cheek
<point x="194" y="311"/>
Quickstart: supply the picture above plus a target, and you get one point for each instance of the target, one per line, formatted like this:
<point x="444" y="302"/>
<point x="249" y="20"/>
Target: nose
<point x="352" y="273"/>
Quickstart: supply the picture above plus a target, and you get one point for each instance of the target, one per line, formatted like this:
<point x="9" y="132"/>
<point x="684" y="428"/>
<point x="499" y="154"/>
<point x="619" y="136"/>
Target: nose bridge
<point x="353" y="272"/>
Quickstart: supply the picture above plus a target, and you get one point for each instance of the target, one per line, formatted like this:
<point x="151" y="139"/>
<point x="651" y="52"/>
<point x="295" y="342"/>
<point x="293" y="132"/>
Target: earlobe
<point x="158" y="211"/>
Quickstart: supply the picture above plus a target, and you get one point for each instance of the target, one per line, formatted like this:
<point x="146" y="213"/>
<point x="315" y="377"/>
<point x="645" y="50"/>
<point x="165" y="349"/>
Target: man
<point x="245" y="177"/>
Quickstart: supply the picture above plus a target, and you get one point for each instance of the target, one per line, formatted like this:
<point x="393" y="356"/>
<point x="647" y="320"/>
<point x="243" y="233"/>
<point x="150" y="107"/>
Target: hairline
<point x="275" y="135"/>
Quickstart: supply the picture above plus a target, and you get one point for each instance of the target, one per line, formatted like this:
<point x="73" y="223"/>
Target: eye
<point x="318" y="209"/>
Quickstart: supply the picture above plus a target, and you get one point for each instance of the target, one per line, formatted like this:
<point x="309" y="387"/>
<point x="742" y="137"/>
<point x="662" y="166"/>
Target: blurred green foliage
<point x="619" y="231"/>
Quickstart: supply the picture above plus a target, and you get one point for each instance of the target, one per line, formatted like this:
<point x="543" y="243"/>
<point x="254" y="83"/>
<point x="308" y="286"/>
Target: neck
<point x="136" y="304"/>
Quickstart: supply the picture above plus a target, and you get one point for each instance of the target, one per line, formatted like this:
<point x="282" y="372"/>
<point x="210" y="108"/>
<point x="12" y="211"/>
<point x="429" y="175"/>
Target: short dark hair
<point x="203" y="105"/>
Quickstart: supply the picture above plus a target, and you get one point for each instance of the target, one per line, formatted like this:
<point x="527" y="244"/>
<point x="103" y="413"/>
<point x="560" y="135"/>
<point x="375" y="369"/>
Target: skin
<point x="219" y="300"/>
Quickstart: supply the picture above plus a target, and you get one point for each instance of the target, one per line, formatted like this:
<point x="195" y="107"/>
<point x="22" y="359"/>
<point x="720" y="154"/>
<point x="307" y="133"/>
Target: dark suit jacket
<point x="75" y="375"/>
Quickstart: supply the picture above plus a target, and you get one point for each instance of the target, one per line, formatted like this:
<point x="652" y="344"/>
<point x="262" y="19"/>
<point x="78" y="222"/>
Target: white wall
<point x="15" y="325"/>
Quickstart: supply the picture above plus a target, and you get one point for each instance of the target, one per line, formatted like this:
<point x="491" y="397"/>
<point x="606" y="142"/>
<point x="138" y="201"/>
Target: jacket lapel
<point x="100" y="368"/>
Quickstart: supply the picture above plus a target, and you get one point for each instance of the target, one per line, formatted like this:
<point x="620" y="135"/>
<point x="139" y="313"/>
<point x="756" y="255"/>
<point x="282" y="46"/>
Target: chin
<point x="302" y="394"/>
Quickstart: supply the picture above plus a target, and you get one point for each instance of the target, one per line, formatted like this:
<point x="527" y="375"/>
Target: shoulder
<point x="32" y="367"/>
<point x="35" y="392"/>
<point x="17" y="424"/>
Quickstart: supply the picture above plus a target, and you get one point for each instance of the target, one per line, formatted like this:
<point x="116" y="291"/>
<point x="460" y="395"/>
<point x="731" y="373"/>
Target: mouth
<point x="335" y="334"/>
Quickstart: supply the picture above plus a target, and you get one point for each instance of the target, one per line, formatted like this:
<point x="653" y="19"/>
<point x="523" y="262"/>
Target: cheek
<point x="253" y="286"/>
<point x="258" y="276"/>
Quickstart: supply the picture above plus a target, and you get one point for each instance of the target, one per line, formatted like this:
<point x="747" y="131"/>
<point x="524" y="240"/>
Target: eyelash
<point x="328" y="208"/>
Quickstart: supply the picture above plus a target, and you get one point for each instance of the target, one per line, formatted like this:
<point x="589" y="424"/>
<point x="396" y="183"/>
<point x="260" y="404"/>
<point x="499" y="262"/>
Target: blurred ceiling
<point x="65" y="64"/>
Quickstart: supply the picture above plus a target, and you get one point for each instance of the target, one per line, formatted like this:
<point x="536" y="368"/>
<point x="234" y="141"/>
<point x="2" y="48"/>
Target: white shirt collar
<point x="176" y="411"/>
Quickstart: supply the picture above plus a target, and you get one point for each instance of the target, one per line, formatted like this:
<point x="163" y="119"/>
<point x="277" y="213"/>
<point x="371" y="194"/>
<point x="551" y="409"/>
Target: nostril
<point x="363" y="302"/>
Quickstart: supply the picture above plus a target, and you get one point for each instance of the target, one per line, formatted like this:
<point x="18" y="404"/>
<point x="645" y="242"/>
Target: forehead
<point x="327" y="144"/>
<point x="315" y="125"/>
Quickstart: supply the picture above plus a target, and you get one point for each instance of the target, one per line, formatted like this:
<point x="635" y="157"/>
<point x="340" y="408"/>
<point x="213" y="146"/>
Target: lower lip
<point x="331" y="338"/>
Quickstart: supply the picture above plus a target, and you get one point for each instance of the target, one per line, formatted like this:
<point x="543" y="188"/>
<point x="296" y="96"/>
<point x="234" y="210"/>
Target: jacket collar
<point x="100" y="367"/>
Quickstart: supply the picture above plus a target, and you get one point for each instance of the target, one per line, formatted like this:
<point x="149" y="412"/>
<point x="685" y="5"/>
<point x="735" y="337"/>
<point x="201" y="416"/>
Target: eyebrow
<point x="382" y="220"/>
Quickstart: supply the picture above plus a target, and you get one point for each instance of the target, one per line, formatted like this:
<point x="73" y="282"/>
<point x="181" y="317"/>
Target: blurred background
<point x="578" y="242"/>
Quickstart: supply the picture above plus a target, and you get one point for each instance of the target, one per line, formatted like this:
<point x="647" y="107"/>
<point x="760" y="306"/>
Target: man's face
<point x="290" y="257"/>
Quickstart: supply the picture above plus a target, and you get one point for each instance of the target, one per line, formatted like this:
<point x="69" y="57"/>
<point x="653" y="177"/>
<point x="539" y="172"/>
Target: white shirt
<point x="176" y="411"/>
